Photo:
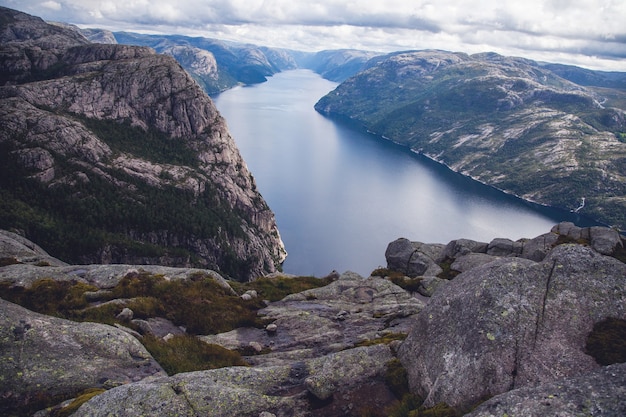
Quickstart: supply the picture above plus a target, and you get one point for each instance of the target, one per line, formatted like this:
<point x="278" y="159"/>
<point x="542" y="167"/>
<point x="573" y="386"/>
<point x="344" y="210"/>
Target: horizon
<point x="585" y="33"/>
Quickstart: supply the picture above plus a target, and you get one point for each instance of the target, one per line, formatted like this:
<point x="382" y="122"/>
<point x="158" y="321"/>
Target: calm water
<point x="340" y="196"/>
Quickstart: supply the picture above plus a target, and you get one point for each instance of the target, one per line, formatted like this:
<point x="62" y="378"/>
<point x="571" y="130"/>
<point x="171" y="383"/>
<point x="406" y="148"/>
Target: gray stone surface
<point x="413" y="258"/>
<point x="327" y="319"/>
<point x="242" y="391"/>
<point x="47" y="356"/>
<point x="512" y="323"/>
<point x="597" y="393"/>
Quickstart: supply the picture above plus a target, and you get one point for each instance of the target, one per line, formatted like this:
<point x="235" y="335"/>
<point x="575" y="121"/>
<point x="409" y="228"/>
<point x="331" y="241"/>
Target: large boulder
<point x="598" y="393"/>
<point x="45" y="359"/>
<point x="413" y="258"/>
<point x="510" y="323"/>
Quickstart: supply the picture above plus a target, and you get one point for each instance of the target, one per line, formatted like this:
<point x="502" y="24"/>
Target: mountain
<point x="508" y="122"/>
<point x="215" y="64"/>
<point x="113" y="154"/>
<point x="337" y="64"/>
<point x="219" y="65"/>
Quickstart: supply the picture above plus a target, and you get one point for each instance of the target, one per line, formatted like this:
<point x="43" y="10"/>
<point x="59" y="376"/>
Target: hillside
<point x="508" y="122"/>
<point x="112" y="154"/>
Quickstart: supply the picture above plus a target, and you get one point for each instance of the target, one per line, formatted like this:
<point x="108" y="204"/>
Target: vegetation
<point x="80" y="399"/>
<point x="76" y="219"/>
<point x="275" y="289"/>
<point x="398" y="278"/>
<point x="199" y="304"/>
<point x="186" y="353"/>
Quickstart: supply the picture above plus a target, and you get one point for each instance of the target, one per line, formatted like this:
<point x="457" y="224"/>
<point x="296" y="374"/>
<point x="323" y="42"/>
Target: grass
<point x="186" y="353"/>
<point x="275" y="289"/>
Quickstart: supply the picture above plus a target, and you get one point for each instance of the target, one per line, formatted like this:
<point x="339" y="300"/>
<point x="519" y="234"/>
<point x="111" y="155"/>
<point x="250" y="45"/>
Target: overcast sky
<point x="589" y="33"/>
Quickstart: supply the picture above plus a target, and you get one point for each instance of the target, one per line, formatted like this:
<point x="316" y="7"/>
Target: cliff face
<point x="508" y="122"/>
<point x="116" y="153"/>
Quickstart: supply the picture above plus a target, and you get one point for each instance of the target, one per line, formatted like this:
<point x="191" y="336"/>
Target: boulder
<point x="463" y="247"/>
<point x="470" y="261"/>
<point x="512" y="323"/>
<point x="428" y="285"/>
<point x="504" y="247"/>
<point x="44" y="358"/>
<point x="602" y="239"/>
<point x="598" y="393"/>
<point x="413" y="258"/>
<point x="536" y="249"/>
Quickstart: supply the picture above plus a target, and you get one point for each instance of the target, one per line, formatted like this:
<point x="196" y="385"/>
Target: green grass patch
<point x="275" y="289"/>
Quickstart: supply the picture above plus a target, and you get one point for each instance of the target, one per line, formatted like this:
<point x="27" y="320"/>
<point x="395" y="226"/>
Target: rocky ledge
<point x="533" y="327"/>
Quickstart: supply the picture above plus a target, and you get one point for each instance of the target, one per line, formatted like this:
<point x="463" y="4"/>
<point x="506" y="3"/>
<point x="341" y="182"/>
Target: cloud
<point x="588" y="31"/>
<point x="53" y="5"/>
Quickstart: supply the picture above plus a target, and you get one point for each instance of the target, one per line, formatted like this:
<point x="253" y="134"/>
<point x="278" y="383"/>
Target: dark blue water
<point x="340" y="195"/>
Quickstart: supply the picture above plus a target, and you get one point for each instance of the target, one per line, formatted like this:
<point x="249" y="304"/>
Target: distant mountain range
<point x="219" y="65"/>
<point x="552" y="134"/>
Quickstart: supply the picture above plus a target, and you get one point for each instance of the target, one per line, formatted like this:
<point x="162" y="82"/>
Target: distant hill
<point x="508" y="122"/>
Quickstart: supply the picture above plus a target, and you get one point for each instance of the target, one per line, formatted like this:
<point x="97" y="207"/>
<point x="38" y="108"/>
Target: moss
<point x="48" y="296"/>
<point x="386" y="339"/>
<point x="185" y="353"/>
<point x="398" y="278"/>
<point x="82" y="398"/>
<point x="396" y="378"/>
<point x="607" y="341"/>
<point x="448" y="272"/>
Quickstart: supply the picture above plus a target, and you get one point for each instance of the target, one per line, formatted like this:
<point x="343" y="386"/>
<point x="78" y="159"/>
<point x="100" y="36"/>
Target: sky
<point x="587" y="33"/>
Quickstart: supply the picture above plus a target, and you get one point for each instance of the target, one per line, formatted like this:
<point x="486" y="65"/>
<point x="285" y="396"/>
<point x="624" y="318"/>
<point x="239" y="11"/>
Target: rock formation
<point x="118" y="153"/>
<point x="506" y="322"/>
<point x="509" y="321"/>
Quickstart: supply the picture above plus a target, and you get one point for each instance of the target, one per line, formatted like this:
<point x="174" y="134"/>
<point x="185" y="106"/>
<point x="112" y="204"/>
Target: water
<point x="340" y="195"/>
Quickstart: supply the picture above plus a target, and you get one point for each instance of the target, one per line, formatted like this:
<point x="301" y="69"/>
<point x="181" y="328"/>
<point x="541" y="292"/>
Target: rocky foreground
<point x="488" y="329"/>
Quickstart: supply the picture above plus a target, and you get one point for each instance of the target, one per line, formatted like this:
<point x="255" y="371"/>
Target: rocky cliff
<point x="535" y="327"/>
<point x="508" y="122"/>
<point x="112" y="153"/>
